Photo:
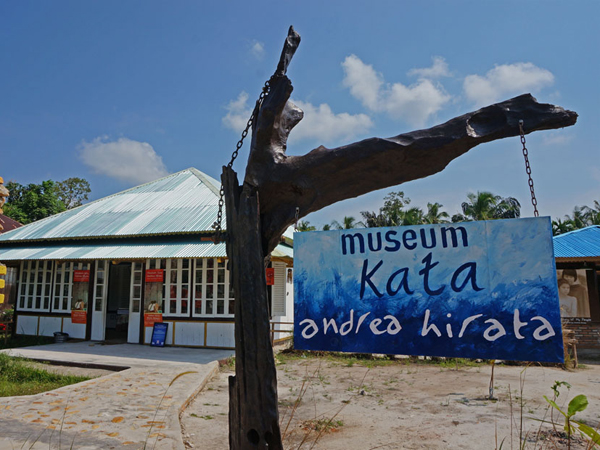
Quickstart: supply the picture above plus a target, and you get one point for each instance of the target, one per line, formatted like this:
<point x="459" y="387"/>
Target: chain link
<point x="528" y="170"/>
<point x="217" y="226"/>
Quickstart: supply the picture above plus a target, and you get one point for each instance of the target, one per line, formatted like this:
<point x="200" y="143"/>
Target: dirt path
<point x="400" y="405"/>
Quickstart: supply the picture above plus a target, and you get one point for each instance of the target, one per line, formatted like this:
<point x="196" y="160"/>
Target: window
<point x="100" y="285"/>
<point x="136" y="287"/>
<point x="35" y="286"/>
<point x="63" y="285"/>
<point x="213" y="294"/>
<point x="177" y="287"/>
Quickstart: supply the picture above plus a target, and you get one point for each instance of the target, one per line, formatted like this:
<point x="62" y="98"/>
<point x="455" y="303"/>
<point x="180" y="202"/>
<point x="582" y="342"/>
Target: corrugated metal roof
<point x="583" y="243"/>
<point x="111" y="251"/>
<point x="184" y="202"/>
<point x="189" y="249"/>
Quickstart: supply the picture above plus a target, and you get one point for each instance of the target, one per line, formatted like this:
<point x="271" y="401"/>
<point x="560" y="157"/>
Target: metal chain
<point x="218" y="223"/>
<point x="528" y="170"/>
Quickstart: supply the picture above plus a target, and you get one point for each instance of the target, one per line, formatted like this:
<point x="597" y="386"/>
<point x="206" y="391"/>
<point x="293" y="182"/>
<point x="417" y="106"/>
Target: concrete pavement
<point x="135" y="408"/>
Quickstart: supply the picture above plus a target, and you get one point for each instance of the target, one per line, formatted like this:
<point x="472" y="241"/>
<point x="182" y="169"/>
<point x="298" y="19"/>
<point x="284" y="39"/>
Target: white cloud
<point x="439" y="69"/>
<point x="505" y="80"/>
<point x="556" y="138"/>
<point x="319" y="122"/>
<point x="238" y="113"/>
<point x="257" y="50"/>
<point x="415" y="103"/>
<point x="123" y="159"/>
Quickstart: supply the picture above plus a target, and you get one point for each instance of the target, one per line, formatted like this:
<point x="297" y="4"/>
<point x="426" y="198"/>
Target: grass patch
<point x="17" y="377"/>
<point x="369" y="360"/>
<point x="19" y="341"/>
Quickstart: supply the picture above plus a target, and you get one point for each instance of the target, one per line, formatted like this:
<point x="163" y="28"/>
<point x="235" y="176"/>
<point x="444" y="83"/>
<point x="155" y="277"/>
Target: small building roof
<point x="8" y="224"/>
<point x="578" y="245"/>
<point x="183" y="202"/>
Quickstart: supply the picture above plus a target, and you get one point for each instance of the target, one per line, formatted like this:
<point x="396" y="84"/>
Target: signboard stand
<point x="159" y="334"/>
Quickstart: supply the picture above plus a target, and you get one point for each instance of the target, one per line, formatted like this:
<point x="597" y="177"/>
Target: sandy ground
<point x="402" y="405"/>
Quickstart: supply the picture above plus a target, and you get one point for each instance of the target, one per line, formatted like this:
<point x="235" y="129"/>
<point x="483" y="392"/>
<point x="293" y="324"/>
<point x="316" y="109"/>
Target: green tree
<point x="347" y="224"/>
<point x="560" y="226"/>
<point x="304" y="225"/>
<point x="435" y="214"/>
<point x="33" y="202"/>
<point x="487" y="206"/>
<point x="391" y="214"/>
<point x="73" y="191"/>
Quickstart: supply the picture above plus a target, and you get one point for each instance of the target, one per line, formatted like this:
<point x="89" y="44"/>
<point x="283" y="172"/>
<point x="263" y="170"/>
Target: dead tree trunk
<point x="260" y="210"/>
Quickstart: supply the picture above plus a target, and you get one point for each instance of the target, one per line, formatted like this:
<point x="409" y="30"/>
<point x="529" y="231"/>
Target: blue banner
<point x="473" y="290"/>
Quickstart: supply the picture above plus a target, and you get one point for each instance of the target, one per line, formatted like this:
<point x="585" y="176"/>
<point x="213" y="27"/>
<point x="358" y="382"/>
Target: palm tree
<point x="413" y="216"/>
<point x="560" y="227"/>
<point x="434" y="215"/>
<point x="347" y="224"/>
<point x="487" y="206"/>
<point x="593" y="214"/>
<point x="579" y="217"/>
<point x="304" y="225"/>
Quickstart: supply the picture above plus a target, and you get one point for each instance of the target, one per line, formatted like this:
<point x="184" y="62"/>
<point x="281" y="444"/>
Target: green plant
<point x="577" y="404"/>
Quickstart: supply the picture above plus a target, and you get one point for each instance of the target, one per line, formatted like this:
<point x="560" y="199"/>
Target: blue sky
<point x="122" y="93"/>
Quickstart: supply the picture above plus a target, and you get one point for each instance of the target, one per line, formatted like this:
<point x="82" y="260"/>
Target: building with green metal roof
<point x="108" y="269"/>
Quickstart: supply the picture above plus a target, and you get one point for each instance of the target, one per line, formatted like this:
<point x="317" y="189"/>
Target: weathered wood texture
<point x="253" y="413"/>
<point x="260" y="210"/>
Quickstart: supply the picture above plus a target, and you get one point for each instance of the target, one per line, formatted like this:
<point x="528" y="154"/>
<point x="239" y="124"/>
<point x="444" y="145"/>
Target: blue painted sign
<point x="473" y="289"/>
<point x="159" y="334"/>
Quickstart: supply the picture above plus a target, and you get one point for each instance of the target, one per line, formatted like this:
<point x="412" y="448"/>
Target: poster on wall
<point x="483" y="289"/>
<point x="573" y="293"/>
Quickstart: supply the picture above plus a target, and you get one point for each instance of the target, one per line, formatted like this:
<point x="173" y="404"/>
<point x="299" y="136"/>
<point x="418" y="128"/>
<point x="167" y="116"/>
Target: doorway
<point x="117" y="303"/>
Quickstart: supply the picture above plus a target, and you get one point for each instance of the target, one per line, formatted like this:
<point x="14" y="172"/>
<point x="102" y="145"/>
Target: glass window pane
<point x="209" y="291"/>
<point x="209" y="307"/>
<point x="220" y="307"/>
<point x="98" y="306"/>
<point x="65" y="290"/>
<point x="210" y="263"/>
<point x="173" y="292"/>
<point x="137" y="266"/>
<point x="100" y="265"/>
<point x="100" y="278"/>
<point x="185" y="276"/>
<point x="184" y="291"/>
<point x="186" y="263"/>
<point x="40" y="276"/>
<point x="137" y="292"/>
<point x="198" y="307"/>
<point x="38" y="302"/>
<point x="46" y="303"/>
<point x="198" y="279"/>
<point x="198" y="291"/>
<point x="30" y="290"/>
<point x="58" y="277"/>
<point x="137" y="277"/>
<point x="209" y="276"/>
<point x="221" y="276"/>
<point x="30" y="302"/>
<point x="173" y="276"/>
<point x="32" y="276"/>
<point x="199" y="263"/>
<point x="65" y="304"/>
<point x="184" y="306"/>
<point x="173" y="307"/>
<point x="221" y="263"/>
<point x="99" y="291"/>
<point x="221" y="291"/>
<point x="38" y="290"/>
<point x="136" y="306"/>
